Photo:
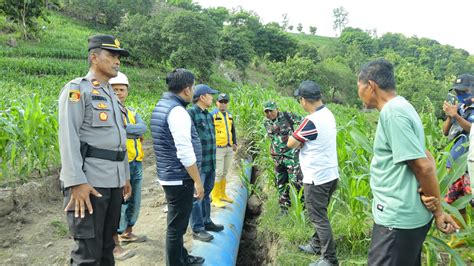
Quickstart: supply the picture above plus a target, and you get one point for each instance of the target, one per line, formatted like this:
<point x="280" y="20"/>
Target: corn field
<point x="350" y="209"/>
<point x="33" y="75"/>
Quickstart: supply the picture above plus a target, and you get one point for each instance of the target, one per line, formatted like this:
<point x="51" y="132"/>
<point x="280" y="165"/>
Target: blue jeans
<point x="201" y="213"/>
<point x="131" y="208"/>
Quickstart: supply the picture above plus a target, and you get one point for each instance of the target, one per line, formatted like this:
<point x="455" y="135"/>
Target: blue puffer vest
<point x="169" y="168"/>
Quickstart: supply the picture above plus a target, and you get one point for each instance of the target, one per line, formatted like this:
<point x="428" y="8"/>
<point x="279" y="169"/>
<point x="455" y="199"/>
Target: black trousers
<point x="180" y="204"/>
<point x="93" y="233"/>
<point x="317" y="198"/>
<point x="392" y="246"/>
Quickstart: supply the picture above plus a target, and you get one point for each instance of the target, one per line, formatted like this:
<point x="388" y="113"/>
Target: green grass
<point x="314" y="39"/>
<point x="60" y="228"/>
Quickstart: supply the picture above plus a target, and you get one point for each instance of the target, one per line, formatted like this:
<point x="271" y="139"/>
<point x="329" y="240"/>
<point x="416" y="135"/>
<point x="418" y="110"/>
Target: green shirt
<point x="205" y="128"/>
<point x="399" y="138"/>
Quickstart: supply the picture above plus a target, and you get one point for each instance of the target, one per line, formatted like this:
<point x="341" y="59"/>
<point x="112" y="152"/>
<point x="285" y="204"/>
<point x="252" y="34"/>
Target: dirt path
<point x="37" y="234"/>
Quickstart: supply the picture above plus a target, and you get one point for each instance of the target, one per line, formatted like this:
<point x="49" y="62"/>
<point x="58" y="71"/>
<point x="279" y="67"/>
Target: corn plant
<point x="296" y="209"/>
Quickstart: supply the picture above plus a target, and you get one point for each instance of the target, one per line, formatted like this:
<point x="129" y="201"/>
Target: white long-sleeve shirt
<point x="180" y="123"/>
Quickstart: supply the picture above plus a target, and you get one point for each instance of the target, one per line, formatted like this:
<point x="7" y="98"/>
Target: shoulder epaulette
<point x="76" y="83"/>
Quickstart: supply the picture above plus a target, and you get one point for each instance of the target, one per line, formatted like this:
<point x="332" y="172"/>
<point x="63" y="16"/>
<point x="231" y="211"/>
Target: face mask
<point x="464" y="97"/>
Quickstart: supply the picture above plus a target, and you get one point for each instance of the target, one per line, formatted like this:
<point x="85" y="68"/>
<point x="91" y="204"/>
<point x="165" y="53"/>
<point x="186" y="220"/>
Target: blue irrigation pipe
<point x="223" y="249"/>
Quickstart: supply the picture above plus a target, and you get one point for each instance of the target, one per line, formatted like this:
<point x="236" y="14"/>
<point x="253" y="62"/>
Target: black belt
<point x="110" y="155"/>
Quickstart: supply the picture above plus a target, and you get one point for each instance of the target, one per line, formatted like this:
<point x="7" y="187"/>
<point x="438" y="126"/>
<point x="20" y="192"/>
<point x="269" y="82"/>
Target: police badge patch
<point x="74" y="96"/>
<point x="103" y="116"/>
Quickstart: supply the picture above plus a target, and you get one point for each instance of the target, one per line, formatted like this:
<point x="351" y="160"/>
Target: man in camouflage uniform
<point x="279" y="126"/>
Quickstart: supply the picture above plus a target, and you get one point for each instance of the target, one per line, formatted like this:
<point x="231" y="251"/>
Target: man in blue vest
<point x="178" y="159"/>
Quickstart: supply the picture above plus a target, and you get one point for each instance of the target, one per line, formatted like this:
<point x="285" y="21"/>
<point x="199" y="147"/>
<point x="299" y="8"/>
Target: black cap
<point x="308" y="89"/>
<point x="107" y="42"/>
<point x="223" y="97"/>
<point x="464" y="81"/>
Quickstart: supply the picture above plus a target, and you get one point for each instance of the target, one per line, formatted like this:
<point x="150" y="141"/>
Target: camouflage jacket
<point x="279" y="130"/>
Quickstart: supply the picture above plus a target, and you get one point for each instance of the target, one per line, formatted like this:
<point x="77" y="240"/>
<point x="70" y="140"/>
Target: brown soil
<point x="36" y="233"/>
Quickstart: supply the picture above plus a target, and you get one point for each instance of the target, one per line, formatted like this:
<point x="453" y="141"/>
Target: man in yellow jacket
<point x="135" y="128"/>
<point x="226" y="143"/>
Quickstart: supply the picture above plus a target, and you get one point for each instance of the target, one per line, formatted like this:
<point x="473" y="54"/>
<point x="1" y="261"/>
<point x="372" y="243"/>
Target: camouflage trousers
<point x="287" y="171"/>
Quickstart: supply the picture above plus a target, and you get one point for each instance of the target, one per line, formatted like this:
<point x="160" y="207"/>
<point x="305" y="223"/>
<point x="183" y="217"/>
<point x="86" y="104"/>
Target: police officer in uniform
<point x="95" y="173"/>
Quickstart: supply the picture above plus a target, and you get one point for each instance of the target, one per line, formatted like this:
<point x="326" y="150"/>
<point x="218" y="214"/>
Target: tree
<point x="292" y="71"/>
<point x="25" y="13"/>
<point x="185" y="4"/>
<point x="142" y="36"/>
<point x="309" y="51"/>
<point x="340" y="18"/>
<point x="312" y="30"/>
<point x="285" y="21"/>
<point x="108" y="12"/>
<point x="274" y="43"/>
<point x="218" y="14"/>
<point x="290" y="27"/>
<point x="299" y="28"/>
<point x="420" y="87"/>
<point x="338" y="81"/>
<point x="359" y="38"/>
<point x="236" y="46"/>
<point x="192" y="41"/>
<point x="247" y="21"/>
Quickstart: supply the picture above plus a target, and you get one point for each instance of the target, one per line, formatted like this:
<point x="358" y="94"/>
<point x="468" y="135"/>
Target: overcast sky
<point x="448" y="22"/>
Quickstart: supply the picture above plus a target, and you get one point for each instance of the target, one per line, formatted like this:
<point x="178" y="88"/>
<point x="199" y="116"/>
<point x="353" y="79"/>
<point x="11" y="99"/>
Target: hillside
<point x="34" y="72"/>
<point x="254" y="63"/>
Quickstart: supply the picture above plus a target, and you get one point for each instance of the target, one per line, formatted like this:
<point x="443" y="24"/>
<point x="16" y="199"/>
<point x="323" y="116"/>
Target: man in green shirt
<point x="400" y="165"/>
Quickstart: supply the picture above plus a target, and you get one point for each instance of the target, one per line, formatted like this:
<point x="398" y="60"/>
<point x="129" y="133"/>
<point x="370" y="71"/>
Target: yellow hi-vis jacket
<point x="224" y="125"/>
<point x="134" y="144"/>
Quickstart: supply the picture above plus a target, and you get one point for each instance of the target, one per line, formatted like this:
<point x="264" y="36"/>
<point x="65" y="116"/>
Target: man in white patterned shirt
<point x="316" y="136"/>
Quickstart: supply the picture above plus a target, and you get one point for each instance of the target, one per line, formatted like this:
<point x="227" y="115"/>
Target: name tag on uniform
<point x="98" y="98"/>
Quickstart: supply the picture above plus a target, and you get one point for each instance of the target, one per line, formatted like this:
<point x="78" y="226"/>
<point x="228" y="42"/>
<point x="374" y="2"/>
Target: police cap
<point x="107" y="42"/>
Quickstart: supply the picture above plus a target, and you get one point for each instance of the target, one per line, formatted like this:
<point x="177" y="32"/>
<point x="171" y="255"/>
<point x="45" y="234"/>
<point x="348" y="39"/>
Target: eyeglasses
<point x="224" y="102"/>
<point x="268" y="111"/>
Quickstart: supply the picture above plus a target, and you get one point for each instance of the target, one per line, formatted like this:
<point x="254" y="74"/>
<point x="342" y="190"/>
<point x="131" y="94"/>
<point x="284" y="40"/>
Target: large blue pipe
<point x="223" y="249"/>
